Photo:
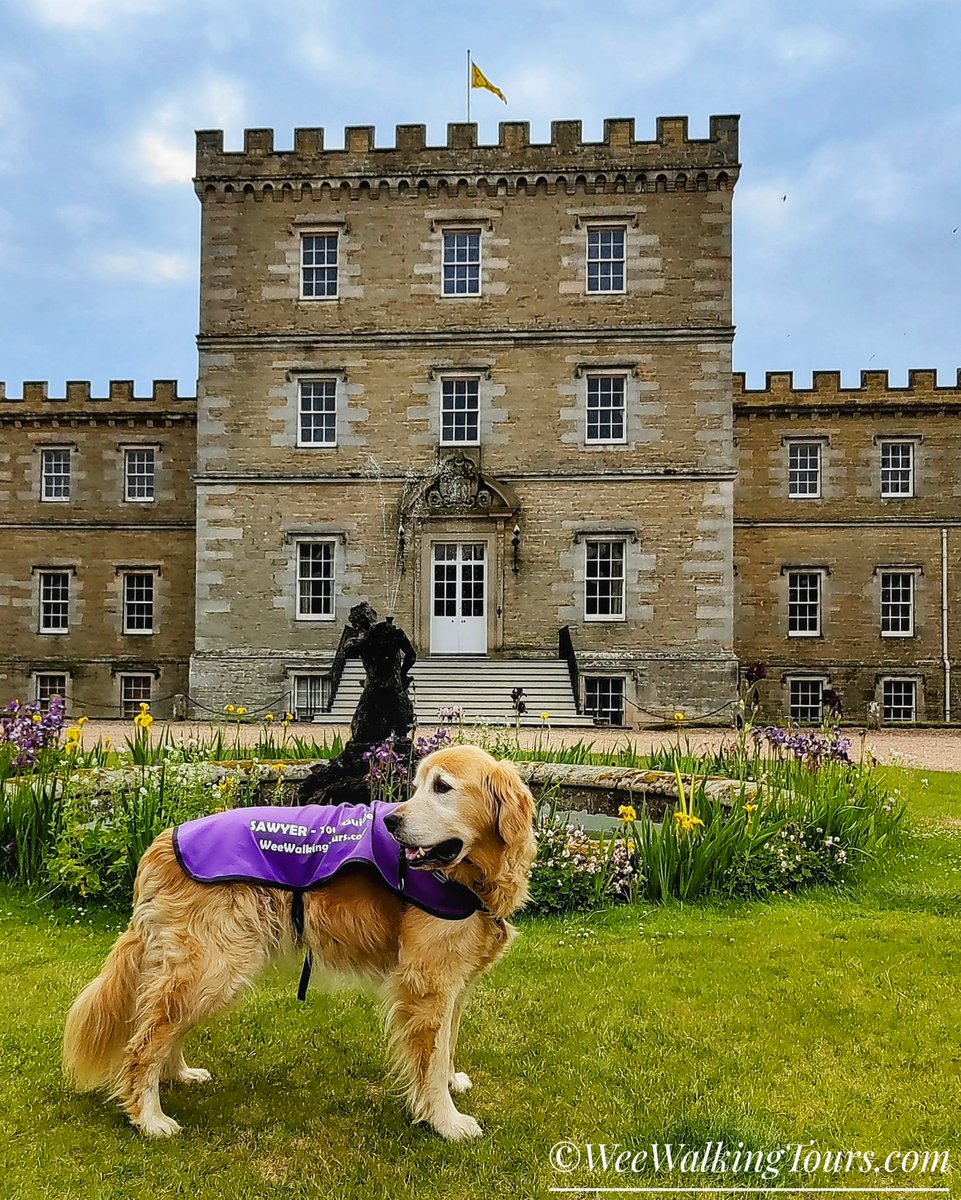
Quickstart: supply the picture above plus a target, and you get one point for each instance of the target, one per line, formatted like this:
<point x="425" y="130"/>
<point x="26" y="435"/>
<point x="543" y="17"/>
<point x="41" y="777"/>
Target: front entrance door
<point x="458" y="623"/>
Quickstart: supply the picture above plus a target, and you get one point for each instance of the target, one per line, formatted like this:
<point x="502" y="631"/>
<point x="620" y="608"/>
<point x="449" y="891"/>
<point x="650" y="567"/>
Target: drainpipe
<point x="944" y="625"/>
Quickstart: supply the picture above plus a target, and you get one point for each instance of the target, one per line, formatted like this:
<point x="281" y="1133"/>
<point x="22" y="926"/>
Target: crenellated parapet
<point x="875" y="390"/>
<point x="672" y="161"/>
<point x="78" y="401"/>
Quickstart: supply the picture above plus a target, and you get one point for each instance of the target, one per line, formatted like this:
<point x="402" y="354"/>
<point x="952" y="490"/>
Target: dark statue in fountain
<point x="384" y="710"/>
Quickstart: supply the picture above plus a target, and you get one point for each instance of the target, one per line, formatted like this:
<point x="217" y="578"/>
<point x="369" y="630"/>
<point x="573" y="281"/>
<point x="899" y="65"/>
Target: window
<point x="134" y="691"/>
<point x="317" y="416"/>
<point x="140" y="474"/>
<point x="807" y="700"/>
<point x="605" y="258"/>
<point x="897" y="469"/>
<point x="604" y="581"/>
<point x="899" y="699"/>
<point x="804" y="470"/>
<point x="54" y="601"/>
<point x="462" y="256"/>
<point x="605" y="408"/>
<point x="804" y="603"/>
<point x="138" y="602"/>
<point x="897" y="604"/>
<point x="315" y="580"/>
<point x="310" y="696"/>
<point x="318" y="266"/>
<point x="460" y="412"/>
<point x="55" y="473"/>
<point x="48" y="686"/>
<point x="604" y="698"/>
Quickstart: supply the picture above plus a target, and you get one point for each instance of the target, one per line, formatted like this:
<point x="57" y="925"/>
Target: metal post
<point x="468" y="86"/>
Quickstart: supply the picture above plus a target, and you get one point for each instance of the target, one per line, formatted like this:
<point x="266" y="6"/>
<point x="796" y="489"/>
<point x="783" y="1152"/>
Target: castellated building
<point x="488" y="389"/>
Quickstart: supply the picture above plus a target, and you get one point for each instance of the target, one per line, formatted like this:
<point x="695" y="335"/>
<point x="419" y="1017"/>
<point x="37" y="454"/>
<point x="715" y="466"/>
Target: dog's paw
<point x="458" y="1128"/>
<point x="191" y="1075"/>
<point x="159" y="1127"/>
<point x="460" y="1082"/>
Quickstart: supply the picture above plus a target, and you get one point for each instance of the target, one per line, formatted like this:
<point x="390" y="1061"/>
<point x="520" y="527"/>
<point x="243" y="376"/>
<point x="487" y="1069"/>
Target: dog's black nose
<point x="393" y="822"/>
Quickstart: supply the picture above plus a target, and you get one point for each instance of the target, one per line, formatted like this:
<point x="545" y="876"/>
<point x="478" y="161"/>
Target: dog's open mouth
<point x="428" y="858"/>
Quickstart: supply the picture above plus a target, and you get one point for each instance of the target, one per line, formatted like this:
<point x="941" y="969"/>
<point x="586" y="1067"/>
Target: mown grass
<point x="832" y="1017"/>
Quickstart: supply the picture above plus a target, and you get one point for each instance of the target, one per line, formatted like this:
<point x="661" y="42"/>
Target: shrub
<point x="574" y="872"/>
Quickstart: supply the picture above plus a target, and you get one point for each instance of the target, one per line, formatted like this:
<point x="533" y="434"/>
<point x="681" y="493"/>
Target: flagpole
<point x="468" y="87"/>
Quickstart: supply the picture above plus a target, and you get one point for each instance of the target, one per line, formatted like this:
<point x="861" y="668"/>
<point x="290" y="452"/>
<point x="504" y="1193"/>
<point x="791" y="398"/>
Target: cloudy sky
<point x="848" y="213"/>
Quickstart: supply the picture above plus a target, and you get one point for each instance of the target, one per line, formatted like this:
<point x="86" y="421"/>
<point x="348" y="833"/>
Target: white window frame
<point x="304" y="266"/>
<point x="902" y="679"/>
<point x="127" y="477"/>
<point x="310" y="679"/>
<point x="820" y="680"/>
<point x="452" y="378"/>
<point x="819" y="575"/>
<point x="327" y="380"/>
<point x="125" y="602"/>
<point x="45" y="475"/>
<point x="41" y="576"/>
<point x="38" y="675"/>
<point x="461" y="231"/>
<point x="129" y="707"/>
<point x="595" y="377"/>
<point x="299" y="578"/>
<point x="606" y="541"/>
<point x="808" y="445"/>
<point x="885" y="444"/>
<point x="596" y="227"/>
<point x="898" y="633"/>
<point x="590" y="677"/>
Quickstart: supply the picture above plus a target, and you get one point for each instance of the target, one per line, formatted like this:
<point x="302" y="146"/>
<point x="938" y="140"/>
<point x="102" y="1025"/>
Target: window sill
<point x="792" y="634"/>
<point x="606" y="620"/>
<point x="316" y="446"/>
<point x="898" y="635"/>
<point x="312" y="620"/>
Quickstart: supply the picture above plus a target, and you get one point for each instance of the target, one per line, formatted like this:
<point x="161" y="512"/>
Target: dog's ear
<point x="513" y="805"/>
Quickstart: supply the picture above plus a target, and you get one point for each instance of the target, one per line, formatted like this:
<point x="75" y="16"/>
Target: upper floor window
<point x="606" y="258"/>
<point x="897" y="604"/>
<point x="315" y="580"/>
<point x="804" y="603"/>
<point x="54" y="601"/>
<point x="606" y="408"/>
<point x="138" y="602"/>
<point x="48" y="686"/>
<point x="806" y="699"/>
<point x="140" y="474"/>
<point x="55" y="473"/>
<point x="804" y="470"/>
<point x="460" y="412"/>
<point x="462" y="263"/>
<point x="317" y="413"/>
<point x="134" y="691"/>
<point x="318" y="266"/>
<point x="899" y="699"/>
<point x="604" y="581"/>
<point x="897" y="469"/>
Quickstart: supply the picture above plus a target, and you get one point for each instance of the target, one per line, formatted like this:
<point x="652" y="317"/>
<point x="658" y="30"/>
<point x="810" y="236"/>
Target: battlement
<point x="826" y="390"/>
<point x="78" y="394"/>
<point x="698" y="160"/>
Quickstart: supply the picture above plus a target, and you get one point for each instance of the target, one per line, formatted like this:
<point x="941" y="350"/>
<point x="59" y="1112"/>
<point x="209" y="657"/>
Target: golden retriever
<point x="191" y="948"/>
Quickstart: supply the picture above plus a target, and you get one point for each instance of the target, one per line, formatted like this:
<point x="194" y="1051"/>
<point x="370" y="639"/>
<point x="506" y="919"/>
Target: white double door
<point x="458" y="623"/>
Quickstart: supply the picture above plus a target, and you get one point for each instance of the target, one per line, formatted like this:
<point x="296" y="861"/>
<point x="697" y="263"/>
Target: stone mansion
<point x="489" y="389"/>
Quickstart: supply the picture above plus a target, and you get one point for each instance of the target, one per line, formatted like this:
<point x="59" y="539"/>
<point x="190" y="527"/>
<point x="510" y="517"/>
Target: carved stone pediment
<point x="459" y="487"/>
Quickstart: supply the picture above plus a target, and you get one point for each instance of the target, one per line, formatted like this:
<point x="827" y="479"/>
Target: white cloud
<point x="164" y="146"/>
<point x="148" y="267"/>
<point x="91" y="14"/>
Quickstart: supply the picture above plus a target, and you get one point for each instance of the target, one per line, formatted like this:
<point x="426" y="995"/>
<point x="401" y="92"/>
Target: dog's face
<point x="462" y="798"/>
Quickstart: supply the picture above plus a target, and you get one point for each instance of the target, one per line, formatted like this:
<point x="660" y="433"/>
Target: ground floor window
<point x="604" y="698"/>
<point x="48" y="686"/>
<point x="310" y="696"/>
<point x="134" y="691"/>
<point x="899" y="699"/>
<point x="807" y="699"/>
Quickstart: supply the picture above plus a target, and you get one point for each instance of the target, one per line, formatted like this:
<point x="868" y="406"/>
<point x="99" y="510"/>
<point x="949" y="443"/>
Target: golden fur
<point x="191" y="948"/>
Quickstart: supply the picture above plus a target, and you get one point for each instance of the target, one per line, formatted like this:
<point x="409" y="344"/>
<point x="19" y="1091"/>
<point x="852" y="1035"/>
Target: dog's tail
<point x="99" y="1023"/>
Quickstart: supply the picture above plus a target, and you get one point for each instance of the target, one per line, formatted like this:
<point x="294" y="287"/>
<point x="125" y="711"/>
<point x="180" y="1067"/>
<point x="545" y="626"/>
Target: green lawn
<point x="831" y="1018"/>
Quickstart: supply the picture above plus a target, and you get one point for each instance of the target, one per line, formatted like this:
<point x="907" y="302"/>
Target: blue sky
<point x="848" y="213"/>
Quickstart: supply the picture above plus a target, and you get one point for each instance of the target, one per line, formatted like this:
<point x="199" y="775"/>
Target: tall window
<point x="318" y="266"/>
<point x="55" y="473"/>
<point x="899" y="699"/>
<point x="48" y="686"/>
<point x="604" y="698"/>
<point x="460" y="412"/>
<point x="897" y="604"/>
<point x="804" y="470"/>
<point x="140" y="474"/>
<point x="54" y="601"/>
<point x="897" y="469"/>
<point x="310" y="696"/>
<point x="317" y="413"/>
<point x="605" y="258"/>
<point x="134" y="691"/>
<point x="604" y="581"/>
<point x="804" y="603"/>
<point x="605" y="408"/>
<point x="807" y="699"/>
<point x="462" y="257"/>
<point x="315" y="580"/>
<point x="138" y="602"/>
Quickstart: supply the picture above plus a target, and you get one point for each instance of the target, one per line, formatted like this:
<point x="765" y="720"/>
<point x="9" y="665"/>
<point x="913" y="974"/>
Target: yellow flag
<point x="479" y="80"/>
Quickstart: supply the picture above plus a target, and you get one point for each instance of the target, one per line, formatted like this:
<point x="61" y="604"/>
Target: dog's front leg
<point x="457" y="1081"/>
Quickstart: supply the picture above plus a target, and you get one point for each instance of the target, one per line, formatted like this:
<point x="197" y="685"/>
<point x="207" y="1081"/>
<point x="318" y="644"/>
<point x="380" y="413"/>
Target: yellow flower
<point x="144" y="706"/>
<point x="36" y="718"/>
<point x="226" y="783"/>
<point x="83" y="721"/>
<point x="143" y="720"/>
<point x="288" y="716"/>
<point x="73" y="734"/>
<point x="679" y="716"/>
<point x="241" y="712"/>
<point x="687" y="822"/>
<point x="270" y="717"/>
<point x="70" y="747"/>
<point x="106" y="741"/>
<point x="749" y="808"/>
<point x="229" y="708"/>
<point x="545" y="716"/>
<point x="281" y="767"/>
<point x="627" y="812"/>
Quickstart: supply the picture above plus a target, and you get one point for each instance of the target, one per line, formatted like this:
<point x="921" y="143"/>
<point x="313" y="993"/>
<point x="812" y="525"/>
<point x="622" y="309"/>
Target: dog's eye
<point x="441" y="785"/>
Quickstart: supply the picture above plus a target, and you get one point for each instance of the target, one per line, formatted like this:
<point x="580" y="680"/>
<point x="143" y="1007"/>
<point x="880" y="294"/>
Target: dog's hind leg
<point x="176" y="1069"/>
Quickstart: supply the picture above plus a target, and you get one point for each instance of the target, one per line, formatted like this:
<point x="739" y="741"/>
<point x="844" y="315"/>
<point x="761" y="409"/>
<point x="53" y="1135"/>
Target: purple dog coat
<point x="302" y="848"/>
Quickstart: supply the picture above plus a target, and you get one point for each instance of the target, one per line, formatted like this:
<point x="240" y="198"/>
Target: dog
<point x="191" y="948"/>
